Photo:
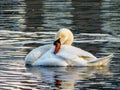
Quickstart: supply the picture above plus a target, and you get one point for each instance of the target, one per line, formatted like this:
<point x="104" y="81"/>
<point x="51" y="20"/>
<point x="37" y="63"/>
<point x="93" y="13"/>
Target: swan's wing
<point x="101" y="61"/>
<point x="36" y="53"/>
<point x="71" y="57"/>
<point x="82" y="57"/>
<point x="79" y="52"/>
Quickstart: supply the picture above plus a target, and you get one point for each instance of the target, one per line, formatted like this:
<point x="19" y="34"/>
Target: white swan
<point x="63" y="54"/>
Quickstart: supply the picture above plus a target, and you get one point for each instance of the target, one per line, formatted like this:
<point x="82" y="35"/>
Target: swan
<point x="62" y="53"/>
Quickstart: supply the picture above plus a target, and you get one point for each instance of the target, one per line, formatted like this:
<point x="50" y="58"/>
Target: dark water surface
<point x="26" y="24"/>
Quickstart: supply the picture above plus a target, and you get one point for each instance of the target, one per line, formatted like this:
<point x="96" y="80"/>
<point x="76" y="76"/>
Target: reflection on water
<point x="87" y="16"/>
<point x="48" y="15"/>
<point x="66" y="77"/>
<point x="55" y="14"/>
<point x="15" y="76"/>
<point x="110" y="17"/>
<point x="12" y="15"/>
<point x="26" y="24"/>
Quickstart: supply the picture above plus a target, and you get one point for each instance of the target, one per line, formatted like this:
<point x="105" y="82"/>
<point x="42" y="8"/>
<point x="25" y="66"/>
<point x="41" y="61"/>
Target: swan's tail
<point x="101" y="61"/>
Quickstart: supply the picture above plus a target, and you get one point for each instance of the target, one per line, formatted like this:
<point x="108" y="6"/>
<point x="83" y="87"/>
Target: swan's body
<point x="66" y="55"/>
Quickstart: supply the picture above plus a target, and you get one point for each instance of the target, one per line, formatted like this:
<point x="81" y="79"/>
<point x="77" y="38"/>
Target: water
<point x="26" y="24"/>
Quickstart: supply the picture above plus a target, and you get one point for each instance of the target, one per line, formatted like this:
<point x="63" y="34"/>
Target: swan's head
<point x="64" y="37"/>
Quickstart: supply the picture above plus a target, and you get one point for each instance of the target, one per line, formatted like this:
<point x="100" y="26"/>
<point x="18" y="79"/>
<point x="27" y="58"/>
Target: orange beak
<point x="57" y="46"/>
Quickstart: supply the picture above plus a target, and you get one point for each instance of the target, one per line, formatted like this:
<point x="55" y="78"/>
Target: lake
<point x="27" y="24"/>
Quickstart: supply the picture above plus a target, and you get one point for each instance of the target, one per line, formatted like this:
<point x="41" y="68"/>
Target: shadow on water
<point x="27" y="24"/>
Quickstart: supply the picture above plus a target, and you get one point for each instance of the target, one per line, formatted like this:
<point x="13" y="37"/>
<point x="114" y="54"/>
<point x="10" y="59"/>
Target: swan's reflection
<point x="66" y="77"/>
